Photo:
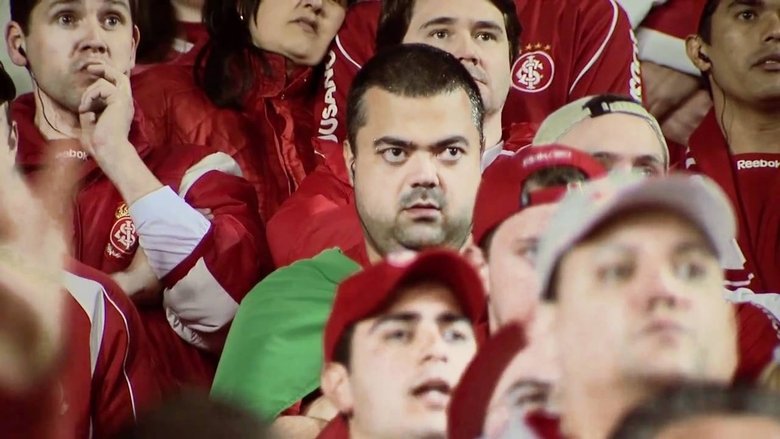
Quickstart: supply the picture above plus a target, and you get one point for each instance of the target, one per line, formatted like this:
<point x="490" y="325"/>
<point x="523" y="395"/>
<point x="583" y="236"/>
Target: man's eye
<point x="66" y="19"/>
<point x="439" y="34"/>
<point x="528" y="251"/>
<point x="616" y="273"/>
<point x="401" y="335"/>
<point x="113" y="21"/>
<point x="747" y="15"/>
<point x="486" y="36"/>
<point x="394" y="155"/>
<point x="451" y="154"/>
<point x="455" y="335"/>
<point x="690" y="271"/>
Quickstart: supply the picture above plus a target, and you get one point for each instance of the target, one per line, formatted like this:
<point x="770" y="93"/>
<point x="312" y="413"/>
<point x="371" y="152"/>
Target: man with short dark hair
<point x="633" y="268"/>
<point x="738" y="145"/>
<point x="415" y="163"/>
<point x="135" y="205"/>
<point x="399" y="337"/>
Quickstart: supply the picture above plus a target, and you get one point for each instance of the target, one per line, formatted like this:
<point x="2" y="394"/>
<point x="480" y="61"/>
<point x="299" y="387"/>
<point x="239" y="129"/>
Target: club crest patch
<point x="123" y="237"/>
<point x="534" y="71"/>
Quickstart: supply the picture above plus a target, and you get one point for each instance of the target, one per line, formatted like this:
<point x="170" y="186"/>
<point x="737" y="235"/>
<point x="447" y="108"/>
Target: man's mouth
<point x="423" y="210"/>
<point x="434" y="393"/>
<point x="664" y="328"/>
<point x="769" y="62"/>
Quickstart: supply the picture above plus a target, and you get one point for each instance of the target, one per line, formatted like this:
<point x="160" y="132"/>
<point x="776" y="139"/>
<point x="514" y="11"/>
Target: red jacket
<point x="597" y="55"/>
<point x="108" y="374"/>
<point x="270" y="138"/>
<point x="205" y="266"/>
<point x="709" y="154"/>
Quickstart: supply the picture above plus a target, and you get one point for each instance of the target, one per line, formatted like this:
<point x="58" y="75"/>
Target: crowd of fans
<point x="333" y="219"/>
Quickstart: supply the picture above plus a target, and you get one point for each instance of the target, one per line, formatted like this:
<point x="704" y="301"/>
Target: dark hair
<point x="397" y="14"/>
<point x="7" y="91"/>
<point x="192" y="414"/>
<point x="705" y="22"/>
<point x="158" y="26"/>
<point x="411" y="70"/>
<point x="22" y="9"/>
<point x="224" y="68"/>
<point x="342" y="352"/>
<point x="679" y="404"/>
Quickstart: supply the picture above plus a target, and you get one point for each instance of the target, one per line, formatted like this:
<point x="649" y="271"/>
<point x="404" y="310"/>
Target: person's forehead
<point x="466" y="12"/>
<point x="621" y="227"/>
<point x="420" y="120"/>
<point x="422" y="295"/>
<point x="529" y="223"/>
<point x="55" y="3"/>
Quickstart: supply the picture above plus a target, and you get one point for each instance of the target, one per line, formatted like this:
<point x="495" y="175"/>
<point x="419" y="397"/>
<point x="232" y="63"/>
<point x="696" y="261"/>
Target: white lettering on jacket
<point x="753" y="164"/>
<point x="328" y="122"/>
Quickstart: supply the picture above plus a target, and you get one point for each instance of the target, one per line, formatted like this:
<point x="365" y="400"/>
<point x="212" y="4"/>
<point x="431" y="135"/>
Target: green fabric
<point x="273" y="353"/>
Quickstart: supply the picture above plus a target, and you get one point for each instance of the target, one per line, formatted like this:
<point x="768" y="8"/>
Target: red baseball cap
<point x="369" y="292"/>
<point x="469" y="403"/>
<point x="697" y="11"/>
<point x="500" y="193"/>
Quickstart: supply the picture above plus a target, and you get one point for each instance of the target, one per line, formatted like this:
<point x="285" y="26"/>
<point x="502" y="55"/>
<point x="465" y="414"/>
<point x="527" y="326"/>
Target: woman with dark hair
<point x="251" y="91"/>
<point x="170" y="29"/>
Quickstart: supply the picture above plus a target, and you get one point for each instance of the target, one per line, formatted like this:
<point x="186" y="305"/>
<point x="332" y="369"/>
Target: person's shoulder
<point x="309" y="276"/>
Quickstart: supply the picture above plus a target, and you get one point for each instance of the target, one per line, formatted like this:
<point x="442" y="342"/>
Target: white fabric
<point x="89" y="294"/>
<point x="197" y="306"/>
<point x="769" y="302"/>
<point x="218" y="161"/>
<point x="665" y="50"/>
<point x="637" y="10"/>
<point x="168" y="229"/>
<point x="491" y="154"/>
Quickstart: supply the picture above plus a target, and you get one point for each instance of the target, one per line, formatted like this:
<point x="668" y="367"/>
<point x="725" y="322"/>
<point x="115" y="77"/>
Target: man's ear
<point x="696" y="50"/>
<point x="136" y="41"/>
<point x="14" y="41"/>
<point x="335" y="385"/>
<point x="349" y="161"/>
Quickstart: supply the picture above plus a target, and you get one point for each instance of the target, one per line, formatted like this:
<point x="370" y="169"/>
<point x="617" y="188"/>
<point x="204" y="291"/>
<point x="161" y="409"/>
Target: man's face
<point x="65" y="37"/>
<point x="405" y="363"/>
<point x="745" y="50"/>
<point x="630" y="144"/>
<point x="417" y="170"/>
<point x="473" y="31"/>
<point x="645" y="292"/>
<point x="299" y="30"/>
<point x="723" y="426"/>
<point x="514" y="286"/>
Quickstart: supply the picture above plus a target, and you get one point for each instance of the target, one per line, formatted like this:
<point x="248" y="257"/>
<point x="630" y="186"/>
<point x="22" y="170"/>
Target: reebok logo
<point x="751" y="164"/>
<point x="72" y="154"/>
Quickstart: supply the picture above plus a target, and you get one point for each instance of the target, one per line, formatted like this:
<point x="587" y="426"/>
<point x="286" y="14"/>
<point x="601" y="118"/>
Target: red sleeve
<point x="204" y="290"/>
<point x="32" y="415"/>
<point x="607" y="58"/>
<point x="673" y="18"/>
<point x="125" y="379"/>
<point x="757" y="342"/>
<point x="319" y="216"/>
<point x="352" y="47"/>
<point x="662" y="35"/>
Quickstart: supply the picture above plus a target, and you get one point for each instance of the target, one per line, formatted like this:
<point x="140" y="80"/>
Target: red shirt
<point x="598" y="55"/>
<point x="751" y="188"/>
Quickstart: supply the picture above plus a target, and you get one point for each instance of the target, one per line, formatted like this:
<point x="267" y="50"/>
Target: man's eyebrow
<point x="449" y="141"/>
<point x="451" y="317"/>
<point x="489" y="25"/>
<point x="438" y="21"/>
<point x="737" y="3"/>
<point x="697" y="246"/>
<point x="649" y="159"/>
<point x="408" y="144"/>
<point x="120" y="3"/>
<point x="393" y="141"/>
<point x="62" y="2"/>
<point x="400" y="317"/>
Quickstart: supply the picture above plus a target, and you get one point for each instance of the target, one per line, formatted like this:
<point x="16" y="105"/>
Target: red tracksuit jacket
<point x="205" y="266"/>
<point x="758" y="241"/>
<point x="596" y="54"/>
<point x="108" y="376"/>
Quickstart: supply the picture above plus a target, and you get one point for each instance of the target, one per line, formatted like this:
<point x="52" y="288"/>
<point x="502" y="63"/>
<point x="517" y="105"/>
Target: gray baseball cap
<point x="695" y="197"/>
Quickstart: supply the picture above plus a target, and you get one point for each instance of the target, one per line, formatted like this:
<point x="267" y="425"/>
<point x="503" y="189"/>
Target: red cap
<point x="370" y="291"/>
<point x="499" y="195"/>
<point x="469" y="403"/>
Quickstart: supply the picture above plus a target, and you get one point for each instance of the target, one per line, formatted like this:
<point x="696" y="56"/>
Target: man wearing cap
<point x="737" y="49"/>
<point x="614" y="129"/>
<point x="400" y="335"/>
<point x="415" y="119"/>
<point x="633" y="268"/>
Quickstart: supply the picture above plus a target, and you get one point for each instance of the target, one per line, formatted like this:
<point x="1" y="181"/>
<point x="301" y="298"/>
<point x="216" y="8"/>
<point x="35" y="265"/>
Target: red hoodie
<point x="206" y="267"/>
